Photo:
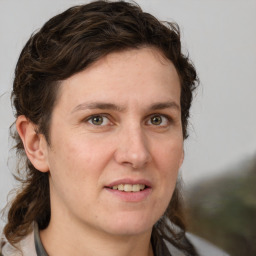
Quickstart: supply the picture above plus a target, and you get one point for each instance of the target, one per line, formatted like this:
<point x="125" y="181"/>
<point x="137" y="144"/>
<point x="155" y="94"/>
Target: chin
<point x="130" y="224"/>
<point x="129" y="231"/>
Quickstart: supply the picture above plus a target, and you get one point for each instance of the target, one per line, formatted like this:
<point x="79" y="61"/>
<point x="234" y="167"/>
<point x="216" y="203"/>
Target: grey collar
<point x="40" y="251"/>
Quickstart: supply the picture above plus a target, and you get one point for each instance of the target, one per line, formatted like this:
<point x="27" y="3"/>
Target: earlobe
<point x="35" y="144"/>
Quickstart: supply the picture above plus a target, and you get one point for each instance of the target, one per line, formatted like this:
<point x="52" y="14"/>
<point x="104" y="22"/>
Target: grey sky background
<point x="220" y="37"/>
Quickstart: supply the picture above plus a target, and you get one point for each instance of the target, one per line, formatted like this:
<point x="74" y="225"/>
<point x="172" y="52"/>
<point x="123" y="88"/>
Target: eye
<point x="98" y="120"/>
<point x="158" y="120"/>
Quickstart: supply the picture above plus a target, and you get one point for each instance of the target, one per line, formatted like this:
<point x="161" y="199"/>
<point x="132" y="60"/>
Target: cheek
<point x="80" y="157"/>
<point x="168" y="159"/>
<point x="169" y="156"/>
<point x="73" y="170"/>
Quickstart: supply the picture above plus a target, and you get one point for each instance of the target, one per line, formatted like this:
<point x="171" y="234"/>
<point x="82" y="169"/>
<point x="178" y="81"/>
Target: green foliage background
<point x="223" y="210"/>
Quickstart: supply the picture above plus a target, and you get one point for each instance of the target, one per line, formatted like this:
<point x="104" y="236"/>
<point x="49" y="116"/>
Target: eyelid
<point x="96" y="115"/>
<point x="167" y="117"/>
<point x="110" y="122"/>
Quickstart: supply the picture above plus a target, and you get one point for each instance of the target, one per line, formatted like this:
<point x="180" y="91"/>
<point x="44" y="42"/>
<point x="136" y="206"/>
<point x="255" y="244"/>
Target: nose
<point x="133" y="148"/>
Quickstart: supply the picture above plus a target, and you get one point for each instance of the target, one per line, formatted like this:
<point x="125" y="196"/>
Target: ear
<point x="35" y="144"/>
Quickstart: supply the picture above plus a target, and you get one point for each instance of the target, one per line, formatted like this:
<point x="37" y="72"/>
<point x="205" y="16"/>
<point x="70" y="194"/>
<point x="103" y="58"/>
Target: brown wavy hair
<point x="67" y="44"/>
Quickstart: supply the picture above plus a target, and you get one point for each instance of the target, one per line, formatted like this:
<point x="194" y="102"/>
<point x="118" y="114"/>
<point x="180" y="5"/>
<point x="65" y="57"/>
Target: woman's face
<point x="116" y="143"/>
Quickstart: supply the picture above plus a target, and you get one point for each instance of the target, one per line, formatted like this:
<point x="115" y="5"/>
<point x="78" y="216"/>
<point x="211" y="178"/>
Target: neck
<point x="69" y="239"/>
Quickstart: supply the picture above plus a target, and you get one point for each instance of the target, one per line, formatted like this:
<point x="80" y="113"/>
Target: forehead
<point x="124" y="76"/>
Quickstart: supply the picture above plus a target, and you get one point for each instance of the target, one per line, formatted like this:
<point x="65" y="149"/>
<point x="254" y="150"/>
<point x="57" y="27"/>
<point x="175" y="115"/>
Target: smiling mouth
<point x="129" y="187"/>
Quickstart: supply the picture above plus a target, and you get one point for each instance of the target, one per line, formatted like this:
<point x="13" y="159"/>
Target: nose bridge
<point x="133" y="146"/>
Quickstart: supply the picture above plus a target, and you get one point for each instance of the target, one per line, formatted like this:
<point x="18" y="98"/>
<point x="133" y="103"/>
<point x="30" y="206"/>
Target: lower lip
<point x="131" y="196"/>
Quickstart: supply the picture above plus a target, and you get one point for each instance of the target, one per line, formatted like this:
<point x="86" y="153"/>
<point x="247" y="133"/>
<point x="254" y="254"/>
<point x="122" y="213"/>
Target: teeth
<point x="142" y="187"/>
<point x="129" y="187"/>
<point x="136" y="188"/>
<point x="120" y="187"/>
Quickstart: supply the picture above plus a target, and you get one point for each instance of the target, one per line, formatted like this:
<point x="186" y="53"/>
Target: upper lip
<point x="130" y="181"/>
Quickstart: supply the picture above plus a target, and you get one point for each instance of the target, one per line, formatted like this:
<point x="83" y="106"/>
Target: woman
<point x="102" y="96"/>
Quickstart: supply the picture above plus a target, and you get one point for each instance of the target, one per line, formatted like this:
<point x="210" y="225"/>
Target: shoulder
<point x="203" y="247"/>
<point x="24" y="248"/>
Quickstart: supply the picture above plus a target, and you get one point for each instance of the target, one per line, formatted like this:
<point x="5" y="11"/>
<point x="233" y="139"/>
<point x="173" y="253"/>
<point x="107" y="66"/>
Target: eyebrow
<point x="111" y="106"/>
<point x="164" y="105"/>
<point x="98" y="105"/>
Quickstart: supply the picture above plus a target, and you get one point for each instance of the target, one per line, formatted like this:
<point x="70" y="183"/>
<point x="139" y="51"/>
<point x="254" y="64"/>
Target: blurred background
<point x="223" y="209"/>
<point x="219" y="171"/>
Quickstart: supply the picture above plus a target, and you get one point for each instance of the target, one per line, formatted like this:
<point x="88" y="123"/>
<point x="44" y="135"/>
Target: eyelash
<point x="164" y="118"/>
<point x="90" y="119"/>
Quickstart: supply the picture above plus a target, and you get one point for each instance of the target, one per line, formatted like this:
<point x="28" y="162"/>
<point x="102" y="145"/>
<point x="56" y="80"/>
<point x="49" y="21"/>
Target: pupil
<point x="156" y="120"/>
<point x="97" y="120"/>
